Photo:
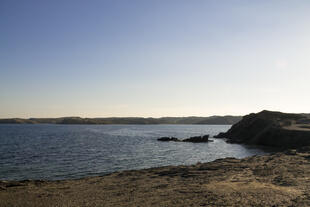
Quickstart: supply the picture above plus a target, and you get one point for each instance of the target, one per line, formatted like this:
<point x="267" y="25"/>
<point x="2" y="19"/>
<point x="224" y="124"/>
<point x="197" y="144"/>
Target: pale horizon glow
<point x="139" y="58"/>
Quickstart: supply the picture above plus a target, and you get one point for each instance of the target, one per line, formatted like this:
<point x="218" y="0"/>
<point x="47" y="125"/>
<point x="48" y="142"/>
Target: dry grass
<point x="298" y="127"/>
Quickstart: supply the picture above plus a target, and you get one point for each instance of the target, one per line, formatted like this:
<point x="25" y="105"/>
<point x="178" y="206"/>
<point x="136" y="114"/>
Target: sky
<point x="153" y="58"/>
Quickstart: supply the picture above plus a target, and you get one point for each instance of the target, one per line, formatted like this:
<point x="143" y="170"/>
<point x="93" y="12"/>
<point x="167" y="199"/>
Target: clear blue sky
<point x="153" y="57"/>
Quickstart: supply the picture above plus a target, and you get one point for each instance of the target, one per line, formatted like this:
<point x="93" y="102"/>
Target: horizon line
<point x="108" y="117"/>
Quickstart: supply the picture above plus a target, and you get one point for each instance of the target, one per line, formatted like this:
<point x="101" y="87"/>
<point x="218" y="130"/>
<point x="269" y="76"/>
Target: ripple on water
<point x="73" y="151"/>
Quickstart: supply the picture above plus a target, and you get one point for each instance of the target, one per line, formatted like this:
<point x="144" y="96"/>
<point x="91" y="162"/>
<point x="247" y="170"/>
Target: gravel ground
<point x="281" y="179"/>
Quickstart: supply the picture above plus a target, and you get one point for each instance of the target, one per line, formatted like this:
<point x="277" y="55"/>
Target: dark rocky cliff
<point x="270" y="128"/>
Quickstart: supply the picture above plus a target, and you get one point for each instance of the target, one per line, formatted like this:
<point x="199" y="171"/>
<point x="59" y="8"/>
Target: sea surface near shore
<point x="57" y="152"/>
<point x="281" y="179"/>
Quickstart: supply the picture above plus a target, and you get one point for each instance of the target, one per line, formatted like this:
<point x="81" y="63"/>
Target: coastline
<point x="210" y="120"/>
<point x="279" y="179"/>
<point x="276" y="179"/>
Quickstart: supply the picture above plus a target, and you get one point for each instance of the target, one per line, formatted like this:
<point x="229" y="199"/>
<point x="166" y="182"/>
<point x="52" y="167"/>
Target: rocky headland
<point x="271" y="128"/>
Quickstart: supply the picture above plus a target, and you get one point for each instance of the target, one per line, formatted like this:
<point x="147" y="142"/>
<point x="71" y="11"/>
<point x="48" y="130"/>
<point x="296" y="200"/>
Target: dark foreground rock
<point x="196" y="139"/>
<point x="281" y="179"/>
<point x="274" y="129"/>
<point x="168" y="139"/>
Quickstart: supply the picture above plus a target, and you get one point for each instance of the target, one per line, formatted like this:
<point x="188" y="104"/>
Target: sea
<point x="57" y="152"/>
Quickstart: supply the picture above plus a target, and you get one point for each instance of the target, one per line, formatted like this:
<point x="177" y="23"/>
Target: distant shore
<point x="221" y="120"/>
<point x="280" y="179"/>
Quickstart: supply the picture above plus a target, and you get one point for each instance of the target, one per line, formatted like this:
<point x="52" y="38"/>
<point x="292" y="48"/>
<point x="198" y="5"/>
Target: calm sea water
<point x="56" y="152"/>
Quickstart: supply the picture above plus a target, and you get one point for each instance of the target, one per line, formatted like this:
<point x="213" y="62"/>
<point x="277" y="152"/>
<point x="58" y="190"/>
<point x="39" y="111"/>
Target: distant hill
<point x="127" y="120"/>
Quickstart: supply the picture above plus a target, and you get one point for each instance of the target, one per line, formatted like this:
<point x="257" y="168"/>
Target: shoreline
<point x="213" y="120"/>
<point x="266" y="149"/>
<point x="279" y="179"/>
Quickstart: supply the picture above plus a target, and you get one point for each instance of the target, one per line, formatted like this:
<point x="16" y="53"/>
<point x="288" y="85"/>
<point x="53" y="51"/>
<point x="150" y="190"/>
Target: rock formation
<point x="195" y="139"/>
<point x="269" y="128"/>
<point x="168" y="139"/>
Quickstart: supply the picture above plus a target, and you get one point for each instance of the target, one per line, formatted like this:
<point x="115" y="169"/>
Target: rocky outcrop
<point x="168" y="139"/>
<point x="196" y="139"/>
<point x="269" y="128"/>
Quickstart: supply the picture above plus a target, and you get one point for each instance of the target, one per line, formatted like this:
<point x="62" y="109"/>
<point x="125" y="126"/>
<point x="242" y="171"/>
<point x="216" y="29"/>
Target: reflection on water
<point x="73" y="151"/>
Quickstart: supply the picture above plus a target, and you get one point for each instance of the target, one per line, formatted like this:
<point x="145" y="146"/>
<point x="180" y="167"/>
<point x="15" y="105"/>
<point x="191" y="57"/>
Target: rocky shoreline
<point x="280" y="179"/>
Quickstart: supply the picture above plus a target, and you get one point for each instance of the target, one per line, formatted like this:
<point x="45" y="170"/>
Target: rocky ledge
<point x="280" y="179"/>
<point x="270" y="128"/>
<point x="196" y="139"/>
